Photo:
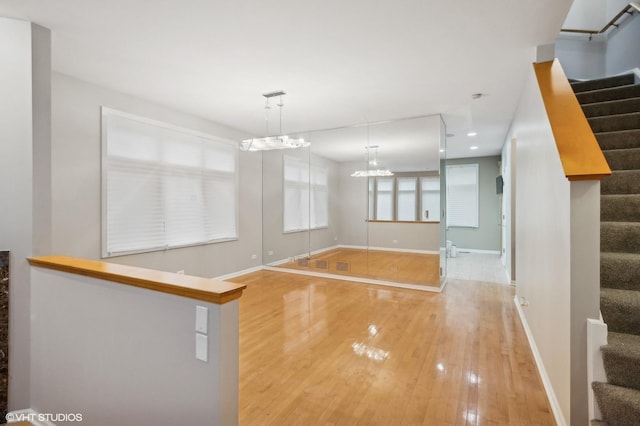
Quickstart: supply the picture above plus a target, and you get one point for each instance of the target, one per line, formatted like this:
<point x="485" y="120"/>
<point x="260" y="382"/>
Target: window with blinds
<point x="306" y="196"/>
<point x="384" y="198"/>
<point x="430" y="198"/>
<point x="163" y="186"/>
<point x="462" y="195"/>
<point x="404" y="198"/>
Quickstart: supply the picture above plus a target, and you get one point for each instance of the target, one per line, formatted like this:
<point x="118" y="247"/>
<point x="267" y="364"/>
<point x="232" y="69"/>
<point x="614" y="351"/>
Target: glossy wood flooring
<point x="327" y="352"/>
<point x="402" y="267"/>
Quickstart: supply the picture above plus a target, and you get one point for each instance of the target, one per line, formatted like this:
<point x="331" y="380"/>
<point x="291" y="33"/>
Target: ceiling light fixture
<point x="279" y="141"/>
<point x="473" y="147"/>
<point x="472" y="133"/>
<point x="372" y="172"/>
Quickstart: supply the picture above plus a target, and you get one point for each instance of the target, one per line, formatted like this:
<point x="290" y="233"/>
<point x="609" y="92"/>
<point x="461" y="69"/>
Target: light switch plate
<point x="202" y="347"/>
<point x="202" y="314"/>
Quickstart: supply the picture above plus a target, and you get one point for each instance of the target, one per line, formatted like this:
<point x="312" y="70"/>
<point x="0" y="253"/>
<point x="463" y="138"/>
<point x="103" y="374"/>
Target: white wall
<point x="24" y="115"/>
<point x="580" y="58"/>
<point x="587" y="14"/>
<point x="122" y="355"/>
<point x="352" y="213"/>
<point x="608" y="54"/>
<point x="76" y="183"/>
<point x="421" y="236"/>
<point x="623" y="53"/>
<point x="509" y="197"/>
<point x="543" y="242"/>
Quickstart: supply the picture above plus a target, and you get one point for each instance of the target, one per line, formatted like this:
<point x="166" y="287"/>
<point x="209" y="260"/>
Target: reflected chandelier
<point x="372" y="165"/>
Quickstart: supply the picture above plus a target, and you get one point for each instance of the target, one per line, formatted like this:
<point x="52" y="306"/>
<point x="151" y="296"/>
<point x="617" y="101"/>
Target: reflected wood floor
<point x="316" y="351"/>
<point x="403" y="267"/>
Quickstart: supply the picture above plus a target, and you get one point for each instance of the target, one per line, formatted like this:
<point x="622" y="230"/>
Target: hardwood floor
<point x="402" y="267"/>
<point x="315" y="351"/>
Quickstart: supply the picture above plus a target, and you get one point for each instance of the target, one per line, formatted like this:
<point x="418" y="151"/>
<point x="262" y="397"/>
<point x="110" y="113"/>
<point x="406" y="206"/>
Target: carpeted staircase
<point x="612" y="106"/>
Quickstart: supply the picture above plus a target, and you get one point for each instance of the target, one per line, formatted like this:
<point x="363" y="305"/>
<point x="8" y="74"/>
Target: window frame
<point x="475" y="201"/>
<point x="232" y="176"/>
<point x="311" y="188"/>
<point x="372" y="197"/>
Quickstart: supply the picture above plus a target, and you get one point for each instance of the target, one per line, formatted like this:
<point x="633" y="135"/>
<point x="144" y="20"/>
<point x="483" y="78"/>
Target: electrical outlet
<point x="270" y="252"/>
<point x="180" y="272"/>
<point x="395" y="241"/>
<point x="254" y="256"/>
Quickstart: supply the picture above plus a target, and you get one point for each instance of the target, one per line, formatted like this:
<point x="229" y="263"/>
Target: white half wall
<point x="122" y="355"/>
<point x="543" y="245"/>
<point x="25" y="147"/>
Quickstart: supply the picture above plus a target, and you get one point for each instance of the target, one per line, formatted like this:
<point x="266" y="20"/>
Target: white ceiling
<point x="340" y="62"/>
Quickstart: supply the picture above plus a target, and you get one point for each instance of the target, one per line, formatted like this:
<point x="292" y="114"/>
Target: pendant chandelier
<point x="279" y="141"/>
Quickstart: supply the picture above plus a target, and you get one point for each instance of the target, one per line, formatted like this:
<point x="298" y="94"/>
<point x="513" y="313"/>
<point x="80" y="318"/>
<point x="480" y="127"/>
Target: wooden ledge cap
<point x="580" y="154"/>
<point x="208" y="290"/>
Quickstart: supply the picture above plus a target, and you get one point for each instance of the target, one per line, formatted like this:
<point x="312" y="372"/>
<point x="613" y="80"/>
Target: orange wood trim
<point x="580" y="154"/>
<point x="208" y="290"/>
<point x="403" y="221"/>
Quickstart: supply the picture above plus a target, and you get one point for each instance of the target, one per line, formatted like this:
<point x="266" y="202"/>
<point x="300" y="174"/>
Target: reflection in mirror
<point x="443" y="203"/>
<point x="330" y="209"/>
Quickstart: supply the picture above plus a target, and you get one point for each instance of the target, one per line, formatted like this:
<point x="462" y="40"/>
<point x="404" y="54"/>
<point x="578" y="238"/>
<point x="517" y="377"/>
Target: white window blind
<point x="164" y="187"/>
<point x="306" y="195"/>
<point x="371" y="206"/>
<point x="462" y="195"/>
<point x="430" y="198"/>
<point x="384" y="198"/>
<point x="406" y="198"/>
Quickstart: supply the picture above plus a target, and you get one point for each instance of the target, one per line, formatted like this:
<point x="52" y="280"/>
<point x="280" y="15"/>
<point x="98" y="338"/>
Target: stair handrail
<point x="629" y="9"/>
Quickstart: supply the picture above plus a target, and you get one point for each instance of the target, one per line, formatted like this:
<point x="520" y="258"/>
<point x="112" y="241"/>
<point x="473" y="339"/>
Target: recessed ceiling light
<point x="441" y="150"/>
<point x="473" y="147"/>
<point x="472" y="133"/>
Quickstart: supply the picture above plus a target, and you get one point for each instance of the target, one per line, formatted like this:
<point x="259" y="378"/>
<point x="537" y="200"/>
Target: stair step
<point x="612" y="123"/>
<point x="601" y="83"/>
<point x="611" y="107"/>
<point x="621" y="310"/>
<point x="620" y="271"/>
<point x="619" y="406"/>
<point x="609" y="94"/>
<point x="620" y="208"/>
<point x="623" y="159"/>
<point x="619" y="140"/>
<point x="620" y="237"/>
<point x="621" y="182"/>
<point x="621" y="358"/>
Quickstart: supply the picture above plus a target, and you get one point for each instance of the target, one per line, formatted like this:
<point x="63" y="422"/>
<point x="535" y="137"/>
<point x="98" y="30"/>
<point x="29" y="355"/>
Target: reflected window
<point x="306" y="195"/>
<point x="384" y="199"/>
<point x="407" y="194"/>
<point x="405" y="197"/>
<point x="430" y="198"/>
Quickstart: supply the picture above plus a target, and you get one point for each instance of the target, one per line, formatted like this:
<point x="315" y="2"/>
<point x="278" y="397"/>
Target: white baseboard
<point x="238" y="273"/>
<point x="551" y="395"/>
<point x="467" y="250"/>
<point x="358" y="279"/>
<point x="398" y="250"/>
<point x="35" y="418"/>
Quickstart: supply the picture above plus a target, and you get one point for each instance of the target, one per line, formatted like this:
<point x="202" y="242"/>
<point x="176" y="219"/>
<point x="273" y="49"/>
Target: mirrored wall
<point x="361" y="202"/>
